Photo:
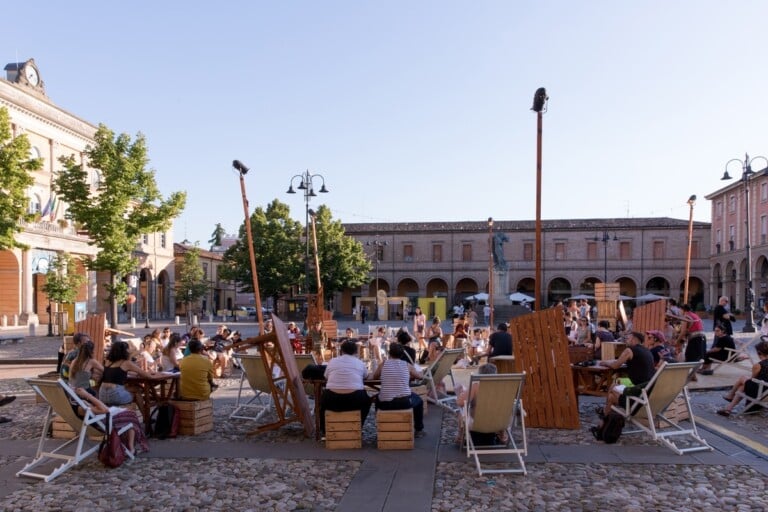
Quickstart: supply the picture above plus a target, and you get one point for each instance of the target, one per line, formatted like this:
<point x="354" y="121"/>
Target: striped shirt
<point x="395" y="377"/>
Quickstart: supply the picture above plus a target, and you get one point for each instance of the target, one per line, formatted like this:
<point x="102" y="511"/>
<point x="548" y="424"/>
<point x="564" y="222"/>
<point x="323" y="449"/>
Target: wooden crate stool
<point x="196" y="417"/>
<point x="395" y="429"/>
<point x="343" y="430"/>
<point x="60" y="429"/>
<point x="423" y="393"/>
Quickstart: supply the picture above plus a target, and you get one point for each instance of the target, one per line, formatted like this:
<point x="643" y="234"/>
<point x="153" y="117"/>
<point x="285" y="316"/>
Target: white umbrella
<point x="582" y="296"/>
<point x="477" y="296"/>
<point x="648" y="297"/>
<point x="520" y="297"/>
<point x="625" y="297"/>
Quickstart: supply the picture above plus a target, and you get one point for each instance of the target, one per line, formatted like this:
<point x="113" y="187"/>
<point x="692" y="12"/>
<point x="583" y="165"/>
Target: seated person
<point x="85" y="370"/>
<point x="112" y="390"/>
<point x="294" y="335"/>
<point x="377" y="343"/>
<point x="465" y="396"/>
<point x="344" y="388"/>
<point x="434" y="341"/>
<point x="171" y="354"/>
<point x="602" y="334"/>
<point x="404" y="338"/>
<point x="745" y="384"/>
<point x="722" y="341"/>
<point x="319" y="341"/>
<point x="120" y="418"/>
<point x="196" y="380"/>
<point x="656" y="342"/>
<point x="77" y="339"/>
<point x="499" y="344"/>
<point x="474" y="345"/>
<point x="640" y="370"/>
<point x="395" y="393"/>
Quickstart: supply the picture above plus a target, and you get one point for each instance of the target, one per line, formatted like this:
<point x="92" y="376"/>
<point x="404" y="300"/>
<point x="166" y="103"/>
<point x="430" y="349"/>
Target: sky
<point x="415" y="111"/>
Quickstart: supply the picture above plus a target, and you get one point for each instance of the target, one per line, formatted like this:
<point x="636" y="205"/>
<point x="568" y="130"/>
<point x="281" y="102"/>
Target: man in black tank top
<point x="640" y="370"/>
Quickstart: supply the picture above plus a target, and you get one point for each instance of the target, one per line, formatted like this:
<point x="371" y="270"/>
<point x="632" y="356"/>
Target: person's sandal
<point x="727" y="399"/>
<point x="723" y="412"/>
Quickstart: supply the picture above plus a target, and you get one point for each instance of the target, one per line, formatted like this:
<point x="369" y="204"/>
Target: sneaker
<point x="723" y="412"/>
<point x="419" y="433"/>
<point x="6" y="400"/>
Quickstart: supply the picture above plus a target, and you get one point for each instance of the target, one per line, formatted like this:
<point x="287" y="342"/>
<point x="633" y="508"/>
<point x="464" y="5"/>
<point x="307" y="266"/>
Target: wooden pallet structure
<point x="606" y="297"/>
<point x="650" y="316"/>
<point x="541" y="351"/>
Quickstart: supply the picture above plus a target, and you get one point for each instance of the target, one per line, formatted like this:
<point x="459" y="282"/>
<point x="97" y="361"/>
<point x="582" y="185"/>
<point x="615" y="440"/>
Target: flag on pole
<point x="54" y="208"/>
<point x="47" y="208"/>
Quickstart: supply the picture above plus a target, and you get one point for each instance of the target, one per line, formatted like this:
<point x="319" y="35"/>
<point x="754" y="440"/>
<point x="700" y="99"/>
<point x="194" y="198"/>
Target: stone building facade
<point x="54" y="132"/>
<point x="453" y="260"/>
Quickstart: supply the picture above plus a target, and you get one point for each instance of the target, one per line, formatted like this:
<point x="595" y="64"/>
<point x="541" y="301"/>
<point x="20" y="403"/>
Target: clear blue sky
<point x="415" y="110"/>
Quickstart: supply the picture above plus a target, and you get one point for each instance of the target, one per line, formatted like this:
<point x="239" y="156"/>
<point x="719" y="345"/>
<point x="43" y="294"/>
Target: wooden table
<point x="149" y="392"/>
<point x="595" y="380"/>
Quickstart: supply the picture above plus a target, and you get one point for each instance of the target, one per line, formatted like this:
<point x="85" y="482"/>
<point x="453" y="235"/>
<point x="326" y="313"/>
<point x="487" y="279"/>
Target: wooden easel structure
<point x="285" y="383"/>
<point x="95" y="326"/>
<point x="541" y="351"/>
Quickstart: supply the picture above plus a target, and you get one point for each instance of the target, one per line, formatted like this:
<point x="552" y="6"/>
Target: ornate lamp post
<point x="746" y="175"/>
<point x="691" y="202"/>
<point x="306" y="184"/>
<point x="490" y="270"/>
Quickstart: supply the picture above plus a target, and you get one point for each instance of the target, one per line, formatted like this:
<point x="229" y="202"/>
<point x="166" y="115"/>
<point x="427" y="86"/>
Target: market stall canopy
<point x="520" y="297"/>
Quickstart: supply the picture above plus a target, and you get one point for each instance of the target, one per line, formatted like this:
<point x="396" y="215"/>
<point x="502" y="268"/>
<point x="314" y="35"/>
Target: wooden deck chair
<point x="648" y="412"/>
<point x="497" y="406"/>
<point x="60" y="398"/>
<point x="439" y="370"/>
<point x="740" y="353"/>
<point x="757" y="403"/>
<point x="257" y="380"/>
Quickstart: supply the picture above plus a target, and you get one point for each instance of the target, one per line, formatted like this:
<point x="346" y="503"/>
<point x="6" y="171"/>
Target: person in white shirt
<point x="344" y="387"/>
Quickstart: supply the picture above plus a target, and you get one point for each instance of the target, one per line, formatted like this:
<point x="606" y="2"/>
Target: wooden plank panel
<point x="649" y="316"/>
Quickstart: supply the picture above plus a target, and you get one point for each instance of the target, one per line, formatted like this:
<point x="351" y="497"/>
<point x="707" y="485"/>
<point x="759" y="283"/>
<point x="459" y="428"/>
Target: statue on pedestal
<point x="499" y="263"/>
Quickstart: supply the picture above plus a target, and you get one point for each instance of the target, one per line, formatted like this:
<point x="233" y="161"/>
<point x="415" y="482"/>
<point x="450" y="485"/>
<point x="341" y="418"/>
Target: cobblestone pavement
<point x="189" y="476"/>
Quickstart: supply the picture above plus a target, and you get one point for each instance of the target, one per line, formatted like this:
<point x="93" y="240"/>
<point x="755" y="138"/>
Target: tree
<point x="218" y="232"/>
<point x="190" y="278"/>
<point x="343" y="263"/>
<point x="126" y="204"/>
<point x="278" y="248"/>
<point x="15" y="178"/>
<point x="62" y="280"/>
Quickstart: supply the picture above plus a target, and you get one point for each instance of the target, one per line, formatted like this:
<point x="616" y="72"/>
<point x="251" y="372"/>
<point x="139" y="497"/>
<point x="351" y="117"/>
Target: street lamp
<point x="306" y="184"/>
<point x="539" y="106"/>
<point x="605" y="239"/>
<point x="379" y="249"/>
<point x="490" y="270"/>
<point x="146" y="298"/>
<point x="691" y="202"/>
<point x="746" y="175"/>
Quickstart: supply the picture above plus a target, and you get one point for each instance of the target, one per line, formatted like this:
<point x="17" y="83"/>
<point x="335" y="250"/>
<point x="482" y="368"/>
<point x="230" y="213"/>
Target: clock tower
<point x="25" y="74"/>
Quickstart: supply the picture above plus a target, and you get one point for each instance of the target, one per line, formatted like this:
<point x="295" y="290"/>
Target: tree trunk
<point x="113" y="301"/>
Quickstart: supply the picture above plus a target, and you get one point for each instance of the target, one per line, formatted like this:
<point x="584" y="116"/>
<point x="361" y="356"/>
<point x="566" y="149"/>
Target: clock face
<point x="30" y="73"/>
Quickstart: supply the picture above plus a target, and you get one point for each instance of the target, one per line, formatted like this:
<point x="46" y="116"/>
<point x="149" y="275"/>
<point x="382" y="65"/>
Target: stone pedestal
<point x="501" y="288"/>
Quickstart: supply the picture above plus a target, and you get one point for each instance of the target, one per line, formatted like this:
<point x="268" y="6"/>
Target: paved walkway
<point x="282" y="470"/>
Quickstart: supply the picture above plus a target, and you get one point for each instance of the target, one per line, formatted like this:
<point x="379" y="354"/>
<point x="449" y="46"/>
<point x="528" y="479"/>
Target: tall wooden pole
<point x="249" y="234"/>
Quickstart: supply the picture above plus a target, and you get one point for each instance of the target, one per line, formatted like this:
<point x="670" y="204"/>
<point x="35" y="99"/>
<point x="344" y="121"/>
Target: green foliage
<point x="126" y="204"/>
<point x="280" y="251"/>
<point x="15" y="178"/>
<point x="278" y="248"/>
<point x="62" y="280"/>
<point x="218" y="232"/>
<point x="191" y="285"/>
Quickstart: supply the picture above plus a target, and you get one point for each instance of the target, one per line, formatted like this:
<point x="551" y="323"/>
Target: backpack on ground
<point x="610" y="431"/>
<point x="166" y="419"/>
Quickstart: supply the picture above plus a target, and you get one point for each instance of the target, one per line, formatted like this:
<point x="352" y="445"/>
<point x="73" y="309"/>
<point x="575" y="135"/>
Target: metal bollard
<point x="194" y="320"/>
<point x="133" y="322"/>
<point x="32" y="329"/>
<point x="177" y="319"/>
<point x="4" y="320"/>
<point x="15" y="320"/>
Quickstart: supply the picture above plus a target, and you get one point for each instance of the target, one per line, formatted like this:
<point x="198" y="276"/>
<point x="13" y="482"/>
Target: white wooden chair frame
<point x="648" y="409"/>
<point x="60" y="397"/>
<point x="760" y="402"/>
<point x="439" y="370"/>
<point x="498" y="405"/>
<point x="738" y="354"/>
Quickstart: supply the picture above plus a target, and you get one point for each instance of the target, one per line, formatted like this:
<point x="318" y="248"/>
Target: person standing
<point x="363" y="313"/>
<point x="419" y="327"/>
<point x="487" y="314"/>
<point x="692" y="330"/>
<point x="723" y="317"/>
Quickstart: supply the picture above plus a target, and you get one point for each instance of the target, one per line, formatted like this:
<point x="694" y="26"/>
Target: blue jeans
<point x="115" y="395"/>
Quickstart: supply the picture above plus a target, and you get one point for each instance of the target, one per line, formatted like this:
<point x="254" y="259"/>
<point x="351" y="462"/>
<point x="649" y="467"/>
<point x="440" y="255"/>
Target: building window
<point x="34" y="204"/>
<point x="466" y="252"/>
<point x="763" y="228"/>
<point x="145" y="239"/>
<point x="527" y="251"/>
<point x="694" y="249"/>
<point x="205" y="269"/>
<point x="658" y="249"/>
<point x="559" y="251"/>
<point x="162" y="240"/>
<point x="95" y="179"/>
<point x="380" y="252"/>
<point x="717" y="248"/>
<point x="732" y="203"/>
<point x="437" y="253"/>
<point x="591" y="250"/>
<point x="719" y="209"/>
<point x="407" y="252"/>
<point x="731" y="236"/>
<point x="625" y="251"/>
<point x="764" y="191"/>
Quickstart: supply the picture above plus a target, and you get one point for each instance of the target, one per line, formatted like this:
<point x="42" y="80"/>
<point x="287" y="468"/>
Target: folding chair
<point x="654" y="403"/>
<point x="757" y="403"/>
<point x="495" y="407"/>
<point x="61" y="399"/>
<point x="258" y="381"/>
<point x="740" y="353"/>
<point x="439" y="370"/>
